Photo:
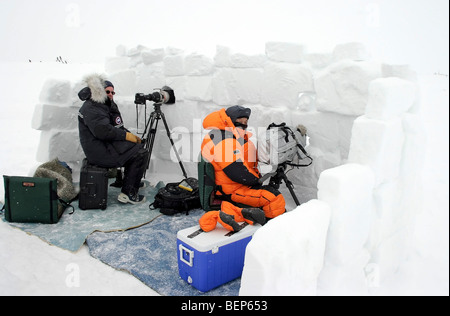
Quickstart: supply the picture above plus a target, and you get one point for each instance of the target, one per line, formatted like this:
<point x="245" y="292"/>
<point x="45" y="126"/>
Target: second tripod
<point x="149" y="134"/>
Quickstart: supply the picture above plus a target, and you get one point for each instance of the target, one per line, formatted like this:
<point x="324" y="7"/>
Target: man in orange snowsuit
<point x="233" y="155"/>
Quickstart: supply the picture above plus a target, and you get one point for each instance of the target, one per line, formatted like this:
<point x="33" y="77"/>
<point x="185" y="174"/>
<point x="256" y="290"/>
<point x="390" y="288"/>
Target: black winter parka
<point x="102" y="133"/>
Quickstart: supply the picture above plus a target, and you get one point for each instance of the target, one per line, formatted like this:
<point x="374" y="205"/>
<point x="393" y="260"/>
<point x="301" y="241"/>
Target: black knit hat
<point x="238" y="111"/>
<point x="108" y="84"/>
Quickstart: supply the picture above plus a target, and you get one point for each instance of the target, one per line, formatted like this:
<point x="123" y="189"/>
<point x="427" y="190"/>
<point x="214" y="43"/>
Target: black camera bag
<point x="173" y="199"/>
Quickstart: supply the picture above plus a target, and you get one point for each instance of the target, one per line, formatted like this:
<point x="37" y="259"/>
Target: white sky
<point x="411" y="32"/>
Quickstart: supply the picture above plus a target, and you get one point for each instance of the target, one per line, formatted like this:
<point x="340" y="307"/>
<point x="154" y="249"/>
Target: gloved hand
<point x="266" y="176"/>
<point x="133" y="138"/>
<point x="302" y="129"/>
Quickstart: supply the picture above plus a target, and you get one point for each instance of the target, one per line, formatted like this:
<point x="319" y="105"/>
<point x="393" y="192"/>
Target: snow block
<point x="330" y="132"/>
<point x="290" y="263"/>
<point x="198" y="65"/>
<point x="236" y="86"/>
<point x="390" y="98"/>
<point x="53" y="144"/>
<point x="178" y="84"/>
<point x="348" y="189"/>
<point x="124" y="82"/>
<point x="247" y="61"/>
<point x="222" y="57"/>
<point x="353" y="51"/>
<point x="187" y="115"/>
<point x="149" y="77"/>
<point x="401" y="71"/>
<point x="282" y="84"/>
<point x="47" y="117"/>
<point x="392" y="253"/>
<point x="343" y="87"/>
<point x="263" y="116"/>
<point x="56" y="92"/>
<point x="379" y="145"/>
<point x="174" y="65"/>
<point x="115" y="64"/>
<point x="153" y="56"/>
<point x="285" y="52"/>
<point x="345" y="280"/>
<point x="318" y="60"/>
<point x="198" y="88"/>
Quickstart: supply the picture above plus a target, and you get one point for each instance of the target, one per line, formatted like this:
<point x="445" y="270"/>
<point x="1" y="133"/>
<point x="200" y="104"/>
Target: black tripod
<point x="151" y="127"/>
<point x="280" y="176"/>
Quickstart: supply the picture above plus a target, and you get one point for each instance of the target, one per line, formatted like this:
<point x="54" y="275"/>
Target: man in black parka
<point x="105" y="140"/>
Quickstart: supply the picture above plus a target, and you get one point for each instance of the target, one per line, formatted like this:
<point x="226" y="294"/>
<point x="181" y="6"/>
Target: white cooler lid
<point x="219" y="237"/>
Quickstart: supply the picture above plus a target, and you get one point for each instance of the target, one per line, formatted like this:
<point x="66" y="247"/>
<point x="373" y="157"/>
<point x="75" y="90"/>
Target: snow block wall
<point x="364" y="135"/>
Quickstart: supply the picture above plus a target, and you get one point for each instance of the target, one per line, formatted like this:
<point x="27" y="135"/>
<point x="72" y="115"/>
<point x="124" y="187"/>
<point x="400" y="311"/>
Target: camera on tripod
<point x="281" y="147"/>
<point x="165" y="95"/>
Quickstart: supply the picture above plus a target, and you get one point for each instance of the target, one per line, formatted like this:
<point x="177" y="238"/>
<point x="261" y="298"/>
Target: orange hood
<point x="220" y="120"/>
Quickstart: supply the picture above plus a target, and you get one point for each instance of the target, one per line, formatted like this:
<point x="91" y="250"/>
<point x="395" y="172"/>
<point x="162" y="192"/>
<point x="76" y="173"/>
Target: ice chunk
<point x="236" y="86"/>
<point x="124" y="82"/>
<point x="390" y="98"/>
<point x="198" y="88"/>
<point x="343" y="87"/>
<point x="285" y="52"/>
<point x="247" y="61"/>
<point x="378" y="144"/>
<point x="56" y="92"/>
<point x="53" y="144"/>
<point x="354" y="51"/>
<point x="286" y="255"/>
<point x="47" y="117"/>
<point x="282" y="84"/>
<point x="153" y="56"/>
<point x="174" y="65"/>
<point x="222" y="57"/>
<point x="149" y="77"/>
<point x="115" y="64"/>
<point x="198" y="65"/>
<point x="348" y="189"/>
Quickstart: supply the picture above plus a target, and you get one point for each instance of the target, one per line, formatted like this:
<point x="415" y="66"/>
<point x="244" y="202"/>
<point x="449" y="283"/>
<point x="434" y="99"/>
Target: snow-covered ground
<point x="29" y="266"/>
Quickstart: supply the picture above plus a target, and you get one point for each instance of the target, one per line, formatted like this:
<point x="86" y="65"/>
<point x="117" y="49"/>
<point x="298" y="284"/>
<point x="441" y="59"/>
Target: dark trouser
<point x="134" y="171"/>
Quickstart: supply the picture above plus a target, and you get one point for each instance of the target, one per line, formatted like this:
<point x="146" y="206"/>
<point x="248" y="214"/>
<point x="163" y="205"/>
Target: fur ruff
<point x="96" y="83"/>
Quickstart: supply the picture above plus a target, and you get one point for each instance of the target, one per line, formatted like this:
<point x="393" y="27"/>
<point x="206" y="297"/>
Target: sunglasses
<point x="112" y="92"/>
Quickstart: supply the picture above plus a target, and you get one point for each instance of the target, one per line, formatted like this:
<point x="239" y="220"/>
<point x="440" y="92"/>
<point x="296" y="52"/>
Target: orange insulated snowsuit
<point x="234" y="159"/>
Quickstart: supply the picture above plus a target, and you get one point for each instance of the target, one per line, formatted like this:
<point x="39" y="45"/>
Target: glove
<point x="266" y="176"/>
<point x="133" y="138"/>
<point x="302" y="129"/>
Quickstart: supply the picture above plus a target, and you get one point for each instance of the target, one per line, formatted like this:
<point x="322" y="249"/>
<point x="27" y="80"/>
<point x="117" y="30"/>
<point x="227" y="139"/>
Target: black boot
<point x="119" y="180"/>
<point x="229" y="220"/>
<point x="255" y="215"/>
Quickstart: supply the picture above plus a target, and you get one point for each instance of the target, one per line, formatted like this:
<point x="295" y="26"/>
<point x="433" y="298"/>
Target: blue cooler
<point x="208" y="260"/>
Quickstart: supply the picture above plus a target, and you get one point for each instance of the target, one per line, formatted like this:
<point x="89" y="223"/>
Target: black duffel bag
<point x="178" y="197"/>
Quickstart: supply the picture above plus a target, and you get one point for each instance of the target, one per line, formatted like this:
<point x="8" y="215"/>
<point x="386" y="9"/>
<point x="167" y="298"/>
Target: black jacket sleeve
<point x="240" y="174"/>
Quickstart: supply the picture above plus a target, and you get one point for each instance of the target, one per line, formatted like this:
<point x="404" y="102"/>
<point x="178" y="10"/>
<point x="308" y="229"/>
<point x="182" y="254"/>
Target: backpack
<point x="178" y="197"/>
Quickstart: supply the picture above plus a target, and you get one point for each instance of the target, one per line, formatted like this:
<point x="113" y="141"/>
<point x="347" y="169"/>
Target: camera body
<point x="164" y="95"/>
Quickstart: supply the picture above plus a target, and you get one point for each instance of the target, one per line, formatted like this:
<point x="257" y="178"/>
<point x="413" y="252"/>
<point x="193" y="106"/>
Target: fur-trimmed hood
<point x="95" y="89"/>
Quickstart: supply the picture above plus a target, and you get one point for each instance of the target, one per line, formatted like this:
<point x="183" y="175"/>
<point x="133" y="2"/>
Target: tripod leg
<point x="173" y="145"/>
<point x="290" y="186"/>
<point x="150" y="141"/>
